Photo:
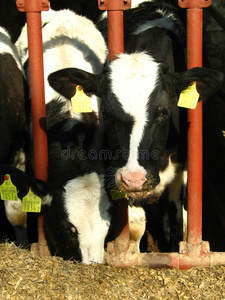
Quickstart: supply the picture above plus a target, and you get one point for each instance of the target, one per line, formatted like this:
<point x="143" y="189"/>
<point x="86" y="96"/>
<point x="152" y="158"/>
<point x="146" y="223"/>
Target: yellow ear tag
<point x="115" y="194"/>
<point x="81" y="103"/>
<point x="31" y="202"/>
<point x="8" y="189"/>
<point x="189" y="97"/>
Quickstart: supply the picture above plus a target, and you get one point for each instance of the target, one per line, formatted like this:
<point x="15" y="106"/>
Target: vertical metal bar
<point x="115" y="33"/>
<point x="33" y="10"/>
<point x="37" y="95"/>
<point x="116" y="46"/>
<point x="194" y="59"/>
<point x="38" y="105"/>
<point x="121" y="230"/>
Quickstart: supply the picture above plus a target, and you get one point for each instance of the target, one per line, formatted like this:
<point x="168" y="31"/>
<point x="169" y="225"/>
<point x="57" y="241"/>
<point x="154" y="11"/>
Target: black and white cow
<point x="68" y="40"/>
<point x="76" y="217"/>
<point x="12" y="124"/>
<point x="77" y="212"/>
<point x="144" y="126"/>
<point x="76" y="207"/>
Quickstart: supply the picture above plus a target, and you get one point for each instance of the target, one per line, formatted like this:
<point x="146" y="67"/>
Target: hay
<point x="26" y="276"/>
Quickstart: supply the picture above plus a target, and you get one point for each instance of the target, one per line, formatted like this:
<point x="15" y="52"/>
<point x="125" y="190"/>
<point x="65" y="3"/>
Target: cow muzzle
<point x="134" y="184"/>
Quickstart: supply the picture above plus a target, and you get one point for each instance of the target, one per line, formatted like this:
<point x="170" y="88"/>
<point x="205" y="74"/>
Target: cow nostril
<point x="125" y="182"/>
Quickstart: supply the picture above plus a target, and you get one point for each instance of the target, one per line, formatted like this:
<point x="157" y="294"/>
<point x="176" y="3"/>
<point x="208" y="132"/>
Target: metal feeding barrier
<point x="121" y="252"/>
<point x="33" y="10"/>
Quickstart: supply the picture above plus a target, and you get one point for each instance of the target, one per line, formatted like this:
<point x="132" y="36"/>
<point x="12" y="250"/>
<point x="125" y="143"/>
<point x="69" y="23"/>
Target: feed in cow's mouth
<point x="147" y="194"/>
<point x="140" y="195"/>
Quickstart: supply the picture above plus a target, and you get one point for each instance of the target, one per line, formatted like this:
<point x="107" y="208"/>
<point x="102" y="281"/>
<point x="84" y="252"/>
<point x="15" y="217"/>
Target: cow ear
<point x="65" y="82"/>
<point x="208" y="81"/>
<point x="23" y="181"/>
<point x="46" y="200"/>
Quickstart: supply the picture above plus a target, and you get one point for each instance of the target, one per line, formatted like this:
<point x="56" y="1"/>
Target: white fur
<point x="136" y="3"/>
<point x="66" y="23"/>
<point x="87" y="205"/>
<point x="166" y="177"/>
<point x="164" y="22"/>
<point x="137" y="224"/>
<point x="174" y="188"/>
<point x="6" y="46"/>
<point x="69" y="41"/>
<point x="184" y="211"/>
<point x="19" y="160"/>
<point x="134" y="77"/>
<point x="47" y="200"/>
<point x="184" y="214"/>
<point x="14" y="213"/>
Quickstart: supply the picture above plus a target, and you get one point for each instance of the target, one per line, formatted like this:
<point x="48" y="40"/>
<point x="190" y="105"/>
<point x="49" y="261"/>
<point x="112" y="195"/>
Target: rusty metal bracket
<point x="199" y="250"/>
<point x="128" y="256"/>
<point x="194" y="3"/>
<point x="194" y="255"/>
<point x="32" y="6"/>
<point x="114" y="4"/>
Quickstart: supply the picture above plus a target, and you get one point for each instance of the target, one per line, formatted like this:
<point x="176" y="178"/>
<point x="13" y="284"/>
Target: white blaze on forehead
<point x="134" y="77"/>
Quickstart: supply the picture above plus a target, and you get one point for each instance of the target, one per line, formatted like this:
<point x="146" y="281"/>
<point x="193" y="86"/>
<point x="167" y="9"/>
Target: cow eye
<point x="69" y="229"/>
<point x="164" y="113"/>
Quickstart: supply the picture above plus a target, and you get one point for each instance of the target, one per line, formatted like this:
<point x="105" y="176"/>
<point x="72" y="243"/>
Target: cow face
<point x="137" y="122"/>
<point x="61" y="235"/>
<point x="137" y="108"/>
<point x="77" y="220"/>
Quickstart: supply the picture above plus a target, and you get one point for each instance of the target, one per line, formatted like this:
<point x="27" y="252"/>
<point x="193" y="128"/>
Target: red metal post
<point x="116" y="35"/>
<point x="33" y="10"/>
<point x="194" y="59"/>
<point x="116" y="46"/>
<point x="37" y="95"/>
<point x="115" y="24"/>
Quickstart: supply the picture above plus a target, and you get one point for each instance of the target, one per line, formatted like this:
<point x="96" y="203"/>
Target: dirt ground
<point x="24" y="275"/>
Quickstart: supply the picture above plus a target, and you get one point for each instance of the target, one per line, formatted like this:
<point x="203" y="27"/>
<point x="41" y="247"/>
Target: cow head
<point x="78" y="219"/>
<point x="138" y="101"/>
